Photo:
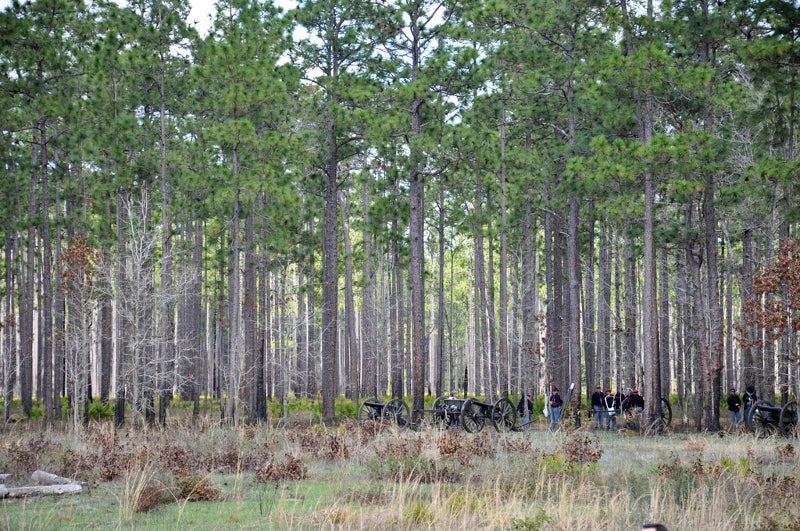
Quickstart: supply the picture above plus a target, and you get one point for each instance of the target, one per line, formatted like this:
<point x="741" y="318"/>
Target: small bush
<point x="535" y="524"/>
<point x="450" y="443"/>
<point x="582" y="448"/>
<point x="516" y="445"/>
<point x="98" y="410"/>
<point x="786" y="452"/>
<point x="333" y="447"/>
<point x="481" y="446"/>
<point x="149" y="498"/>
<point x="413" y="467"/>
<point x="555" y="464"/>
<point x="290" y="468"/>
<point x="195" y="488"/>
<point x="400" y="448"/>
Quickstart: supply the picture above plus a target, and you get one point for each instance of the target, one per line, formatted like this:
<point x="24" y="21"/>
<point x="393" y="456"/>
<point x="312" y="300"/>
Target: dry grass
<point x="314" y="477"/>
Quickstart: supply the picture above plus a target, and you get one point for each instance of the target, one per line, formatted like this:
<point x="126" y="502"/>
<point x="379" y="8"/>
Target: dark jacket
<point x="555" y="400"/>
<point x="637" y="400"/>
<point x="521" y="406"/>
<point x="597" y="398"/>
<point x="734" y="402"/>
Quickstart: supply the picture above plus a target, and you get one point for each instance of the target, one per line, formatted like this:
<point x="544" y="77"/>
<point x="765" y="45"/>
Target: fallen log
<point x="46" y="484"/>
<point x="39" y="490"/>
<point x="40" y="477"/>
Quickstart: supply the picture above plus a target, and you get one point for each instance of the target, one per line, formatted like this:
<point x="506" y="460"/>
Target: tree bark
<point x="351" y="350"/>
<point x="330" y="282"/>
<point x="369" y="315"/>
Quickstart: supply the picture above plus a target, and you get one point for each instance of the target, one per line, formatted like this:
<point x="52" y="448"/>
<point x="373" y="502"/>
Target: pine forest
<point x="397" y="198"/>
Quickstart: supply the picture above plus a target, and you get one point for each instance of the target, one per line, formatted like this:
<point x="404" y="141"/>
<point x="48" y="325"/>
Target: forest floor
<point x="307" y="475"/>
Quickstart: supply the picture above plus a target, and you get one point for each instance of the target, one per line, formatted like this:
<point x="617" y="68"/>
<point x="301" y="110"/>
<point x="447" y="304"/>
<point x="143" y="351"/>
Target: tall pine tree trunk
<point x="351" y="350"/>
<point x="235" y="347"/>
<point x="502" y="336"/>
<point x="440" y="309"/>
<point x="605" y="374"/>
<point x="589" y="325"/>
<point x="369" y="314"/>
<point x="330" y="279"/>
<point x="249" y="315"/>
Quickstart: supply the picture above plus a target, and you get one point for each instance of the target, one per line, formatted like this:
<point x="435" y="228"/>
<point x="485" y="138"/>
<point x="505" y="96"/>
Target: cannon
<point x="471" y="414"/>
<point x="395" y="411"/>
<point x="767" y="419"/>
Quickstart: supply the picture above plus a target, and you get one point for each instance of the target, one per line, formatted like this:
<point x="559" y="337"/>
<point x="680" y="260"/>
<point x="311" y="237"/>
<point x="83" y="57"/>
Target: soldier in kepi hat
<point x="598" y="407"/>
<point x="611" y="410"/>
<point x="734" y="406"/>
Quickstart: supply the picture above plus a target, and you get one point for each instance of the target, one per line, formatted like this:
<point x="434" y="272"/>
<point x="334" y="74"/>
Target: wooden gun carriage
<point x="767" y="419"/>
<point x="471" y="414"/>
<point x="395" y="411"/>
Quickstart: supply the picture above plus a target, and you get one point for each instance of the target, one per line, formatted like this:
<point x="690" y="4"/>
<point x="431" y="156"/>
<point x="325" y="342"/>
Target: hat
<point x="733" y="390"/>
<point x="598" y="387"/>
<point x="608" y="389"/>
<point x="629" y="389"/>
<point x="555" y="389"/>
<point x="635" y="390"/>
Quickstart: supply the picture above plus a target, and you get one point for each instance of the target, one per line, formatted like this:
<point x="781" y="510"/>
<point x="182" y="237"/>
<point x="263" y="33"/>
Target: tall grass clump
<point x="140" y="492"/>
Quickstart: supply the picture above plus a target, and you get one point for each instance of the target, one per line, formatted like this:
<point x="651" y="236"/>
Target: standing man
<point x="555" y="408"/>
<point x="524" y="409"/>
<point x="597" y="407"/>
<point x="637" y="401"/>
<point x="611" y="404"/>
<point x="734" y="403"/>
<point x="749" y="403"/>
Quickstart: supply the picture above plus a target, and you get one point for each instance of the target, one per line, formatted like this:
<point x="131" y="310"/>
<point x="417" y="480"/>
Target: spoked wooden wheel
<point x="504" y="416"/>
<point x="367" y="411"/>
<point x="788" y="419"/>
<point x="761" y="424"/>
<point x="471" y="417"/>
<point x="397" y="411"/>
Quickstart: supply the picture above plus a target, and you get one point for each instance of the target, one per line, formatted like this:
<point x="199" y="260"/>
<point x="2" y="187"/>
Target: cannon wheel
<point x="666" y="412"/>
<point x="366" y="412"/>
<point x="397" y="411"/>
<point x="504" y="415"/>
<point x="788" y="419"/>
<point x="762" y="427"/>
<point x="440" y="417"/>
<point x="471" y="417"/>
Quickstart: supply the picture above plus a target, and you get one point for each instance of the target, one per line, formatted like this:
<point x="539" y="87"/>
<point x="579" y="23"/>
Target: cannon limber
<point x="767" y="419"/>
<point x="395" y="412"/>
<point x="471" y="414"/>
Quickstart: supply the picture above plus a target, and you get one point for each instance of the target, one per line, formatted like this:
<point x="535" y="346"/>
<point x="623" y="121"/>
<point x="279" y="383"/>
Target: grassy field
<point x="348" y="476"/>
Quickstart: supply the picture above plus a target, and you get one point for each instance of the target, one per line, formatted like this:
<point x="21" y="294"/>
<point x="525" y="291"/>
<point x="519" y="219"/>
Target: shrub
<point x="290" y="468"/>
<point x="413" y="468"/>
<point x="582" y="448"/>
<point x="98" y="410"/>
<point x="196" y="488"/>
<point x="149" y="498"/>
